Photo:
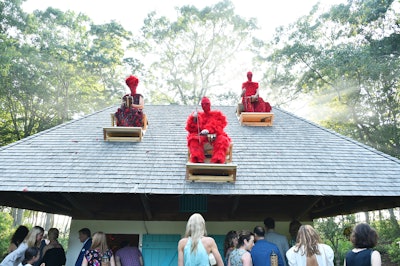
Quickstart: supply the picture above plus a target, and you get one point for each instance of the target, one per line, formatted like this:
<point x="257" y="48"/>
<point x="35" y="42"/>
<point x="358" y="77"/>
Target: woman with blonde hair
<point x="195" y="248"/>
<point x="32" y="239"/>
<point x="99" y="253"/>
<point x="309" y="249"/>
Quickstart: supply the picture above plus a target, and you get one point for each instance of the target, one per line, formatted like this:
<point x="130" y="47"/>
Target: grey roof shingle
<point x="293" y="157"/>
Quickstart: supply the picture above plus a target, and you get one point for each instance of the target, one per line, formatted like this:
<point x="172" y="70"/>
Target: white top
<point x="324" y="259"/>
<point x="15" y="257"/>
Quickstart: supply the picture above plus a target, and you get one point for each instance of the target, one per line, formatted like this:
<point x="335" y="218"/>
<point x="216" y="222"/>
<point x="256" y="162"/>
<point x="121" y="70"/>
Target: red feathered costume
<point x="250" y="99"/>
<point x="201" y="126"/>
<point x="128" y="115"/>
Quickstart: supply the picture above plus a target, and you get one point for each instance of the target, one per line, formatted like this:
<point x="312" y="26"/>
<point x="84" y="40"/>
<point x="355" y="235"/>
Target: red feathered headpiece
<point x="132" y="83"/>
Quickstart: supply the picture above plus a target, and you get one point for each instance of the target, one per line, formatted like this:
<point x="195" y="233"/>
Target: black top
<point x="54" y="257"/>
<point x="361" y="258"/>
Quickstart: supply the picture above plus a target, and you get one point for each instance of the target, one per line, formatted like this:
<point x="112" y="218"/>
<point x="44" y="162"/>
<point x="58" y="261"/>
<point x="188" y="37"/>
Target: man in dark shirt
<point x="84" y="237"/>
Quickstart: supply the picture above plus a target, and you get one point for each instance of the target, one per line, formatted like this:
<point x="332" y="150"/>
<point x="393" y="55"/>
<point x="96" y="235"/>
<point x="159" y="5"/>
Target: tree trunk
<point x="17" y="215"/>
<point x="366" y="217"/>
<point x="49" y="221"/>
<point x="394" y="222"/>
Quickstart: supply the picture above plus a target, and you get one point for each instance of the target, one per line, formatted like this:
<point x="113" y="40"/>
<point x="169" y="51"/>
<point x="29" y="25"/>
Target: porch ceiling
<point x="114" y="206"/>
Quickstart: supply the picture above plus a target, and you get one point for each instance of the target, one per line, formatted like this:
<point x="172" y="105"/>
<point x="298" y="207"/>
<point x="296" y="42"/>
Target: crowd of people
<point x="30" y="248"/>
<point x="261" y="247"/>
<point x="265" y="247"/>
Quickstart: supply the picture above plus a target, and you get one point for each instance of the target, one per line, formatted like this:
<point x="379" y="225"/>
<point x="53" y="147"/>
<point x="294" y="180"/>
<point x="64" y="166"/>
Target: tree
<point x="348" y="61"/>
<point x="5" y="232"/>
<point x="56" y="65"/>
<point x="188" y="57"/>
<point x="333" y="232"/>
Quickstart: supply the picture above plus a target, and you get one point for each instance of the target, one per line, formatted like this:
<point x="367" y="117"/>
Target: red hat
<point x="132" y="83"/>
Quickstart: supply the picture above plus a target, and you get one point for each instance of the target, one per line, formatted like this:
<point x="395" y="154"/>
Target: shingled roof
<point x="294" y="165"/>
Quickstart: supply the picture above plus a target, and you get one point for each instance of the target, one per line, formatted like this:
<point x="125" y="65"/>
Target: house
<point x="294" y="169"/>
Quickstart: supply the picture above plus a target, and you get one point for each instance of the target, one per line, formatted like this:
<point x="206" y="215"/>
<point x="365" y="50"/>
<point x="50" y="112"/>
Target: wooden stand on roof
<point x="212" y="172"/>
<point x="254" y="118"/>
<point x="124" y="134"/>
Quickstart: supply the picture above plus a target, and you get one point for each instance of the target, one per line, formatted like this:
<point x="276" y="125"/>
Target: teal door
<point x="160" y="250"/>
<point x="219" y="239"/>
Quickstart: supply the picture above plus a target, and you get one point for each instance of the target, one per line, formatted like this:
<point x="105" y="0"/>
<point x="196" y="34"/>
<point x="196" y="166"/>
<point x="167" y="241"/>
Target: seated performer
<point x="250" y="99"/>
<point x="130" y="114"/>
<point x="207" y="128"/>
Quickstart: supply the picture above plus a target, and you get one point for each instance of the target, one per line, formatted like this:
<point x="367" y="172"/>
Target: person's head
<point x="84" y="234"/>
<point x="19" y="235"/>
<point x="269" y="223"/>
<point x="259" y="232"/>
<point x="245" y="239"/>
<point x="364" y="236"/>
<point x="231" y="240"/>
<point x="53" y="234"/>
<point x="132" y="83"/>
<point x="308" y="238"/>
<point x="31" y="255"/>
<point x="34" y="236"/>
<point x="195" y="228"/>
<point x="99" y="242"/>
<point x="249" y="76"/>
<point x="294" y="228"/>
<point x="124" y="243"/>
<point x="206" y="104"/>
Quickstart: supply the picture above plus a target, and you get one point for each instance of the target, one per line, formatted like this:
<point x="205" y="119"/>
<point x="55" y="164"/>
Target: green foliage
<point x="388" y="231"/>
<point x="333" y="231"/>
<point x="394" y="250"/>
<point x="347" y="60"/>
<point x="5" y="232"/>
<point x="54" y="66"/>
<point x="63" y="240"/>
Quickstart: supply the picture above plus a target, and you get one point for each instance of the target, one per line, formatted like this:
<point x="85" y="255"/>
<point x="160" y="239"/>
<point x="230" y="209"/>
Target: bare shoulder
<point x="182" y="242"/>
<point x="208" y="242"/>
<point x="208" y="239"/>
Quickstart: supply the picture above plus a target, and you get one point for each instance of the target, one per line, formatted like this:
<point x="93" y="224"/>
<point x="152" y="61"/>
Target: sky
<point x="131" y="13"/>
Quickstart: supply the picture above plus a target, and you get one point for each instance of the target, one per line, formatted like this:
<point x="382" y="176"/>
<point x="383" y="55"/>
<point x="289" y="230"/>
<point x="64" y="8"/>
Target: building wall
<point x="151" y="227"/>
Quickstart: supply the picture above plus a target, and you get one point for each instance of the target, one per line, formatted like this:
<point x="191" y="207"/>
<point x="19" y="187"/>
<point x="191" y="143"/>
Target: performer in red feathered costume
<point x="130" y="114"/>
<point x="250" y="99"/>
<point x="207" y="128"/>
